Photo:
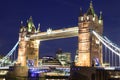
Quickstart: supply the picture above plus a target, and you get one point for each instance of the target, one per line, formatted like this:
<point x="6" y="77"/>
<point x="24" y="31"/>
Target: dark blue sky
<point x="55" y="14"/>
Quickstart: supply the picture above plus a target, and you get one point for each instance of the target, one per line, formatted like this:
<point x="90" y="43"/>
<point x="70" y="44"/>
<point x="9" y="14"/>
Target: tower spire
<point x="101" y="17"/>
<point x="31" y="26"/>
<point x="91" y="9"/>
<point x="21" y="24"/>
<point x="91" y="5"/>
<point x="30" y="18"/>
<point x="38" y="29"/>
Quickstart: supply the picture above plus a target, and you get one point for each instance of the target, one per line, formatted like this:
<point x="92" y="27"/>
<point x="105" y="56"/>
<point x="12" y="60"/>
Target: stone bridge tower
<point x="89" y="48"/>
<point x="28" y="51"/>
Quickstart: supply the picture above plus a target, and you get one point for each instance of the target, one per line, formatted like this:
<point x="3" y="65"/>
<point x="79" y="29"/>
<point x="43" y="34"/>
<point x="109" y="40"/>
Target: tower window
<point x="93" y="18"/>
<point x="81" y="18"/>
<point x="87" y="17"/>
<point x="99" y="21"/>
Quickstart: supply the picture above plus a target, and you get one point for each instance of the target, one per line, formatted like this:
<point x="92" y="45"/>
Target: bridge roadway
<point x="55" y="34"/>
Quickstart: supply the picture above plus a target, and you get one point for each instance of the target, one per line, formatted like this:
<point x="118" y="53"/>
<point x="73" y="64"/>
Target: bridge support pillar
<point x="28" y="52"/>
<point x="17" y="72"/>
<point x="22" y="53"/>
<point x="89" y="47"/>
<point x="32" y="54"/>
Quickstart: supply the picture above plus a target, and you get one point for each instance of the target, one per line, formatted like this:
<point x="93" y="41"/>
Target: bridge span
<point x="55" y="34"/>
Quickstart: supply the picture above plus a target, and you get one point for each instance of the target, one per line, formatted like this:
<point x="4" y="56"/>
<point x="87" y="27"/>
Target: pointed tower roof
<point x="22" y="28"/>
<point x="21" y="24"/>
<point x="101" y="17"/>
<point x="30" y="22"/>
<point x="30" y="25"/>
<point x="91" y="10"/>
<point x="38" y="29"/>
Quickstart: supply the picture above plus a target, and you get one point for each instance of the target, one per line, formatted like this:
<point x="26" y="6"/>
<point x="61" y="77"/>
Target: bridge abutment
<point x="17" y="71"/>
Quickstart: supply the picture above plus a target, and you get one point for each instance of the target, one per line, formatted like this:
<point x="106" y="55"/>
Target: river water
<point x="31" y="79"/>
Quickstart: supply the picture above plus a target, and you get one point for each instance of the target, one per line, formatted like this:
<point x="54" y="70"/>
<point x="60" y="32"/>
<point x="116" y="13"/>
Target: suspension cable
<point x="106" y="44"/>
<point x="9" y="53"/>
<point x="112" y="44"/>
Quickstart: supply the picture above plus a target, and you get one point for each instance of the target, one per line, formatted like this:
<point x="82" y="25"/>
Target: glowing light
<point x="84" y="57"/>
<point x="87" y="17"/>
<point x="81" y="18"/>
<point x="96" y="60"/>
<point x="97" y="42"/>
<point x="116" y="76"/>
<point x="49" y="31"/>
<point x="99" y="21"/>
<point x="37" y="41"/>
<point x="109" y="68"/>
<point x="4" y="79"/>
<point x="93" y="18"/>
<point x="4" y="67"/>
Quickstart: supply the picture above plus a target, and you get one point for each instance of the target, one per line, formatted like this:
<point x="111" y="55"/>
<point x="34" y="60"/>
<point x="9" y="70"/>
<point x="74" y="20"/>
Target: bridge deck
<point x="56" y="34"/>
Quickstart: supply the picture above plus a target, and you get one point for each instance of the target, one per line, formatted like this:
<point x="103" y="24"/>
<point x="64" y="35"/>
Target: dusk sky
<point x="54" y="14"/>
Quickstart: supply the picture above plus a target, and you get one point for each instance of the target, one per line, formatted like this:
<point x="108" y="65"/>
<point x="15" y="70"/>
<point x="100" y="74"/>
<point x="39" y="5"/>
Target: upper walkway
<point x="55" y="34"/>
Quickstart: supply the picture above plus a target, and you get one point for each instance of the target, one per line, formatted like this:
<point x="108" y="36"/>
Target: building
<point x="89" y="47"/>
<point x="28" y="49"/>
<point x="64" y="58"/>
<point x="61" y="59"/>
<point x="49" y="61"/>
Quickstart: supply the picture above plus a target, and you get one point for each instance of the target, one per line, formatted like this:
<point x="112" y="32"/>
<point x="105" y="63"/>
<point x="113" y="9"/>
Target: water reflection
<point x="31" y="79"/>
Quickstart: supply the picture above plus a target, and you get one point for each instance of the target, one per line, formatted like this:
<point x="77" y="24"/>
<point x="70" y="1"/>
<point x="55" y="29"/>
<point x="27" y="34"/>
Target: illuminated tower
<point x="89" y="48"/>
<point x="28" y="51"/>
<point x="22" y="46"/>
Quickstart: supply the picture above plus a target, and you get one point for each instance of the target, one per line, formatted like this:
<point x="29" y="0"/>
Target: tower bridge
<point x="30" y="37"/>
<point x="91" y="44"/>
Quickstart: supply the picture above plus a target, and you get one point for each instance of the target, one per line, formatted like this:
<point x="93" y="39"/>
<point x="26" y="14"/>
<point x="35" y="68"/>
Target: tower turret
<point x="21" y="26"/>
<point x="91" y="10"/>
<point x="38" y="29"/>
<point x="30" y="26"/>
<point x="28" y="50"/>
<point x="101" y="18"/>
<point x="22" y="44"/>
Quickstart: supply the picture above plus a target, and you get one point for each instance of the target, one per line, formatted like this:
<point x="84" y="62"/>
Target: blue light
<point x="96" y="60"/>
<point x="33" y="75"/>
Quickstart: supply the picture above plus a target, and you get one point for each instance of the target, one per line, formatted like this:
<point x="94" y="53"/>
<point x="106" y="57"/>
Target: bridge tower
<point x="28" y="51"/>
<point x="89" y="48"/>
